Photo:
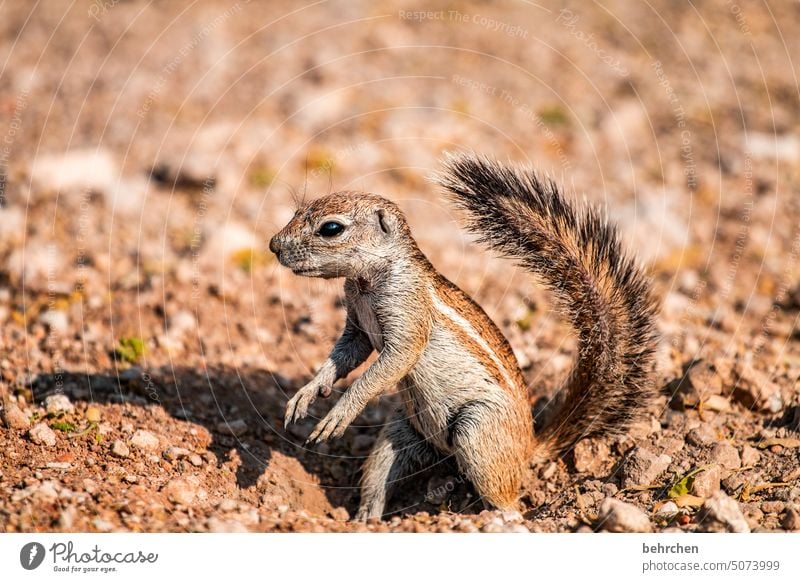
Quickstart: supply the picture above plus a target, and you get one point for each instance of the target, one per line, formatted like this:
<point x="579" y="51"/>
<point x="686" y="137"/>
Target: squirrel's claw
<point x="332" y="426"/>
<point x="297" y="407"/>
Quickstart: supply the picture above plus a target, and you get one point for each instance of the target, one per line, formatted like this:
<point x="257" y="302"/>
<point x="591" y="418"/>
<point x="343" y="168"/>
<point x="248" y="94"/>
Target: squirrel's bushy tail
<point x="600" y="289"/>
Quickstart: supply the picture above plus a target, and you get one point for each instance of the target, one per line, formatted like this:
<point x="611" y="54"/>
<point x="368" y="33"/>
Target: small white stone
<point x="512" y="516"/>
<point x="216" y="525"/>
<point x="55" y="320"/>
<point x="13" y="417"/>
<point x="669" y="509"/>
<point x="41" y="434"/>
<point x="184" y="491"/>
<point x="47" y="491"/>
<point x="618" y="516"/>
<point x="720" y="513"/>
<point x="182" y="322"/>
<point x="57" y="404"/>
<point x="101" y="524"/>
<point x="145" y="440"/>
<point x="120" y="449"/>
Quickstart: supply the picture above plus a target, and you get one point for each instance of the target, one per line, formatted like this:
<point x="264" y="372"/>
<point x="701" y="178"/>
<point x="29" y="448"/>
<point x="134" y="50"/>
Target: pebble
<point x="591" y="456"/>
<point x="101" y="524"/>
<point x="67" y="517"/>
<point x="671" y="445"/>
<point x="47" y="491"/>
<point x="700" y="381"/>
<point x="55" y="320"/>
<point x="773" y="506"/>
<point x="57" y="404"/>
<point x="497" y="525"/>
<point x="756" y="391"/>
<point x="41" y="434"/>
<point x="717" y="403"/>
<point x="75" y="170"/>
<point x="725" y="454"/>
<point x="466" y="526"/>
<point x="184" y="491"/>
<point x="175" y="453"/>
<point x="642" y="467"/>
<point x="791" y="520"/>
<point x="234" y="428"/>
<point x="227" y="505"/>
<point x="750" y="456"/>
<point x="752" y="514"/>
<point x="667" y="510"/>
<point x="768" y="145"/>
<point x="618" y="516"/>
<point x="702" y="436"/>
<point x="13" y="417"/>
<point x="182" y="322"/>
<point x="720" y="513"/>
<point x="195" y="459"/>
<point x="120" y="449"/>
<point x="735" y="481"/>
<point x="706" y="483"/>
<point x="774" y="403"/>
<point x="217" y="525"/>
<point x="145" y="440"/>
<point x="609" y="489"/>
<point x="549" y="471"/>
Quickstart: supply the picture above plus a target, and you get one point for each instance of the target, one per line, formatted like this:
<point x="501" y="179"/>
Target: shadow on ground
<point x="243" y="409"/>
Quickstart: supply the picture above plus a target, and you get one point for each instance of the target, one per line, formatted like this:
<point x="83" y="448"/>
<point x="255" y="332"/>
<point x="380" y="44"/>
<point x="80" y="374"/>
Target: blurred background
<point x="150" y="149"/>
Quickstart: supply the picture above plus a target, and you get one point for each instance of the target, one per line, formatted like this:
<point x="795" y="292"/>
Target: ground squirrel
<point x="462" y="389"/>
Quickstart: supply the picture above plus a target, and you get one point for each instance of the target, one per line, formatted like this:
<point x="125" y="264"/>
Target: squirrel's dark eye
<point x="330" y="229"/>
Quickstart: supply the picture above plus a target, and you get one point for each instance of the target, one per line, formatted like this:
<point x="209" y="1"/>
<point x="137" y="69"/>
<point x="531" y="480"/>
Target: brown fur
<point x="464" y="394"/>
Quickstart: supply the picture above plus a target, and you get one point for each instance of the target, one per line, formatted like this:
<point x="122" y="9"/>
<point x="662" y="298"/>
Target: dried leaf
<point x="688" y="501"/>
<point x="789" y="443"/>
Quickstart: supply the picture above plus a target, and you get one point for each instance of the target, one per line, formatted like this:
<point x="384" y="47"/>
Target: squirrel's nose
<point x="274" y="245"/>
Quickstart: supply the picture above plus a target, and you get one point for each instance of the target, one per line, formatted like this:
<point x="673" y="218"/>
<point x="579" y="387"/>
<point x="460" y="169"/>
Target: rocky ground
<point x="149" y="344"/>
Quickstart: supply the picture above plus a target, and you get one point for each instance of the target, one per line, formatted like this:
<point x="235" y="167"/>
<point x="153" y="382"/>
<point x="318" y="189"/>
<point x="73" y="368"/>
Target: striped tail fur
<point x="574" y="250"/>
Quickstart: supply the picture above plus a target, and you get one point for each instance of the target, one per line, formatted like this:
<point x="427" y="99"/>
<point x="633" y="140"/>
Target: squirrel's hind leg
<point x="490" y="452"/>
<point x="398" y="453"/>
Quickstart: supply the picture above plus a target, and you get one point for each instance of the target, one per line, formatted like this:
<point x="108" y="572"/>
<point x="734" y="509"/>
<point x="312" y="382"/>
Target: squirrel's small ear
<point x="386" y="221"/>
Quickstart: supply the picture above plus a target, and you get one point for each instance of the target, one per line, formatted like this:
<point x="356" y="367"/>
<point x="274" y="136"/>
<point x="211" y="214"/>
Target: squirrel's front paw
<point x="297" y="407"/>
<point x="333" y="425"/>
